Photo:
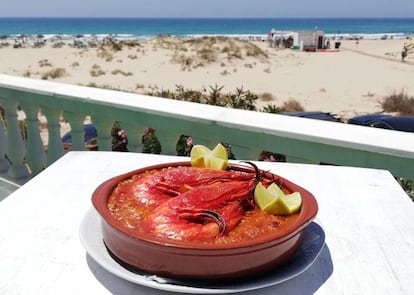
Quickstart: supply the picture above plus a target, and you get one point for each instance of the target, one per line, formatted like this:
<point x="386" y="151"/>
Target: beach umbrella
<point x="22" y="37"/>
<point x="56" y="38"/>
<point x="3" y="39"/>
<point x="272" y="32"/>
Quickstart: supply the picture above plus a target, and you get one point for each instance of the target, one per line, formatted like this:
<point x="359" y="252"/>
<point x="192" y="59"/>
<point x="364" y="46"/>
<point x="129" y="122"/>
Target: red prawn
<point x="155" y="188"/>
<point x="203" y="213"/>
<point x="135" y="198"/>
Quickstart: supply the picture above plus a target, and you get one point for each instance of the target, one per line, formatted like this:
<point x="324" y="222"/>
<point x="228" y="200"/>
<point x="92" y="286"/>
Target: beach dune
<point x="347" y="82"/>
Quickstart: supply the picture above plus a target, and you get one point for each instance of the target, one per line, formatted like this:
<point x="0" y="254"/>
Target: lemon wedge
<point x="217" y="163"/>
<point x="272" y="200"/>
<point x="198" y="151"/>
<point x="262" y="196"/>
<point x="219" y="151"/>
<point x="198" y="162"/>
<point x="285" y="205"/>
<point x="293" y="202"/>
<point x="202" y="156"/>
<point x="275" y="190"/>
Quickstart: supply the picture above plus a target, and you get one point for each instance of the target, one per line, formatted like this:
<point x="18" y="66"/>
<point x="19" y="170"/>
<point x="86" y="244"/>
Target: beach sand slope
<point x="348" y="82"/>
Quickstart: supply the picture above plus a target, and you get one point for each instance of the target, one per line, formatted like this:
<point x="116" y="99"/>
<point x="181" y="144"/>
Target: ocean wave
<point x="246" y="37"/>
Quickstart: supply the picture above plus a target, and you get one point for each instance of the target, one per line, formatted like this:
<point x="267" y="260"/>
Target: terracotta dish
<point x="189" y="260"/>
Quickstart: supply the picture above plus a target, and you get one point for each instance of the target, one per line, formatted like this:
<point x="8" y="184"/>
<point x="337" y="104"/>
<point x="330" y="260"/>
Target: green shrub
<point x="266" y="96"/>
<point x="255" y="51"/>
<point x="96" y="71"/>
<point x="242" y="100"/>
<point x="271" y="108"/>
<point x="27" y="73"/>
<point x="106" y="55"/>
<point x="44" y="63"/>
<point x="398" y="102"/>
<point x="117" y="71"/>
<point x="54" y="73"/>
<point x="292" y="105"/>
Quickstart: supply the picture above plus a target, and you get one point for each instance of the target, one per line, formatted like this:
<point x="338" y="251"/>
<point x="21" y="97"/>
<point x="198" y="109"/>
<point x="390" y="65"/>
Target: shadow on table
<point x="309" y="281"/>
<point x="117" y="285"/>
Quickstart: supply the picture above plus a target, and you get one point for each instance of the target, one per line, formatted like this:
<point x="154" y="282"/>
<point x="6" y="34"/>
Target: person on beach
<point x="404" y="53"/>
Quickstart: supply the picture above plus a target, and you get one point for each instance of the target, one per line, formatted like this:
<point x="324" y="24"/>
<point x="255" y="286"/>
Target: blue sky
<point x="207" y="8"/>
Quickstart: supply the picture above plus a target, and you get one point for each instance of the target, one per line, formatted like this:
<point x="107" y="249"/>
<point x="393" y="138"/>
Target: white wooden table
<point x="367" y="218"/>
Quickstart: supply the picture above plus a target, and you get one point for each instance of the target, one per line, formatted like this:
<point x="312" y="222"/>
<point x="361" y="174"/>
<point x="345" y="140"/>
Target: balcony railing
<point x="248" y="133"/>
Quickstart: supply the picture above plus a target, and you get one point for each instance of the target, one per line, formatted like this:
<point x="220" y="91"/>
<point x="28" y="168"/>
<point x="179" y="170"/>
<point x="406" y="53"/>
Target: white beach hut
<point x="305" y="40"/>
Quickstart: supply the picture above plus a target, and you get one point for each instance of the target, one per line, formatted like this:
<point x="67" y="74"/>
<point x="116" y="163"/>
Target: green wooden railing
<point x="248" y="132"/>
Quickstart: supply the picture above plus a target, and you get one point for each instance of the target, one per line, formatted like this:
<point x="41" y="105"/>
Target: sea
<point x="143" y="28"/>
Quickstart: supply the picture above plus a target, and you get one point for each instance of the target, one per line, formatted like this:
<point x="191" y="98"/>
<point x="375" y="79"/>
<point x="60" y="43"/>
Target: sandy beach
<point x="347" y="82"/>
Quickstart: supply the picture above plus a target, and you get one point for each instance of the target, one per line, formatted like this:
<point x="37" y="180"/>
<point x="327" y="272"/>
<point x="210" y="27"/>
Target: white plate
<point x="91" y="238"/>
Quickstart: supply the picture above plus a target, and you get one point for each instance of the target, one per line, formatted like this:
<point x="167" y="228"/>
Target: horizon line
<point x="220" y="17"/>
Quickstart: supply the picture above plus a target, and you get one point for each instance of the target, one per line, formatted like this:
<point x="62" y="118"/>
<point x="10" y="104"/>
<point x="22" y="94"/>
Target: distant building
<point x="303" y="40"/>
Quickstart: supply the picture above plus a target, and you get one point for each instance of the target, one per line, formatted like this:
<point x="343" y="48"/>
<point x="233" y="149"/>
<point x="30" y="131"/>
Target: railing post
<point x="4" y="163"/>
<point x="35" y="152"/>
<point x="167" y="140"/>
<point x="76" y="123"/>
<point x="133" y="133"/>
<point x="103" y="127"/>
<point x="55" y="146"/>
<point x="15" y="148"/>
